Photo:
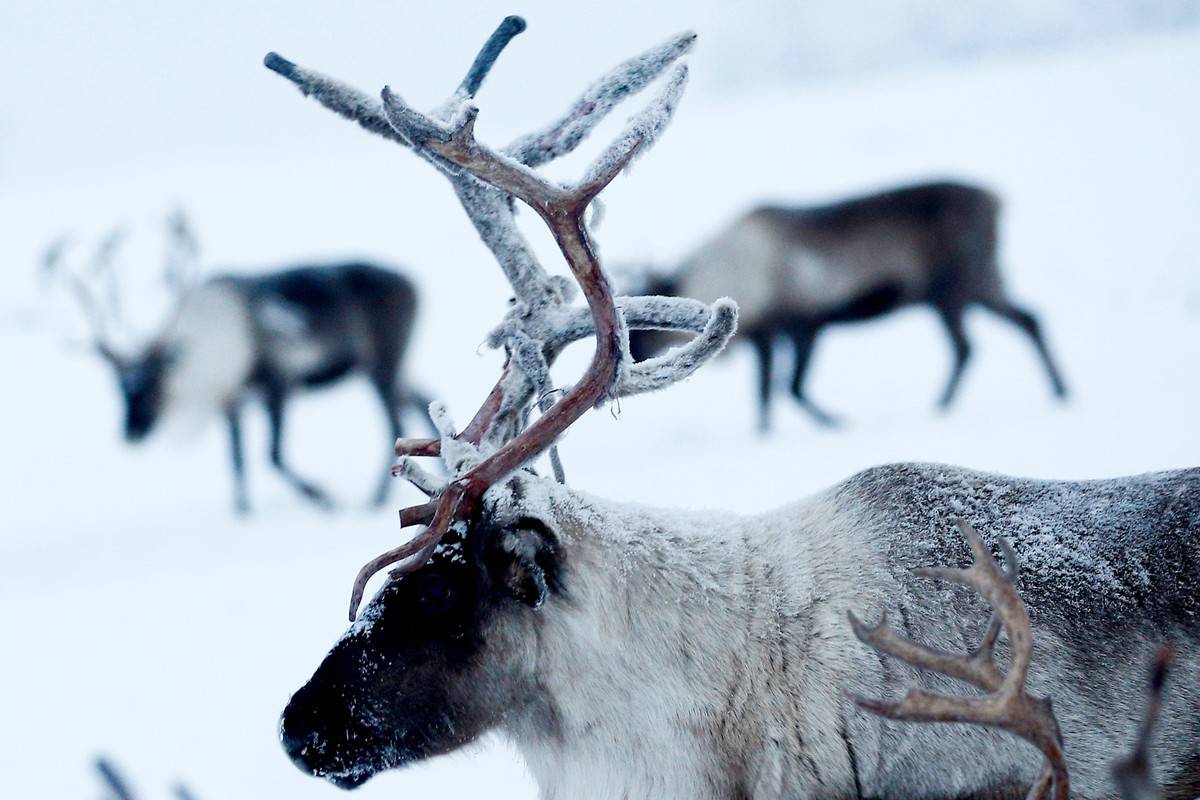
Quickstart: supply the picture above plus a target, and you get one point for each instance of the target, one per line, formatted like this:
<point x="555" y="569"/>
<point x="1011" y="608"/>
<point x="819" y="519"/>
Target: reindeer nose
<point x="298" y="736"/>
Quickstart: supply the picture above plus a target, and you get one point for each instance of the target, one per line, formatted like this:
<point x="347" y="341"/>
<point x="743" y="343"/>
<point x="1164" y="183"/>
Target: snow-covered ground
<point x="140" y="619"/>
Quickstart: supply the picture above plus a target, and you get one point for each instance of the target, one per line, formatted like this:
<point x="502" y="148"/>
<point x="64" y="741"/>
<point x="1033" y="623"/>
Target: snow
<point x="141" y="619"/>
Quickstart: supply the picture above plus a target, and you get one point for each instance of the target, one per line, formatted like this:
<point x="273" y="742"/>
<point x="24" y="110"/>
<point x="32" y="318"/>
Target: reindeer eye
<point x="436" y="595"/>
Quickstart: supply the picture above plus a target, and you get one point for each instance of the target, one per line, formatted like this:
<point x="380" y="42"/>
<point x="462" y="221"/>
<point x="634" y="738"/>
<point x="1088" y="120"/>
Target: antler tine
<point x="508" y="28"/>
<point x="182" y="250"/>
<point x="102" y="266"/>
<point x="338" y="97"/>
<point x="93" y="314"/>
<point x="565" y="133"/>
<point x="53" y="257"/>
<point x="425" y="481"/>
<point x="680" y="362"/>
<point x="1132" y="772"/>
<point x="445" y="509"/>
<point x="456" y="143"/>
<point x="488" y="208"/>
<point x="1007" y="706"/>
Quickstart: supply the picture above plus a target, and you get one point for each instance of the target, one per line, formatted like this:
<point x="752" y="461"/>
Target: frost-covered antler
<point x="1007" y="706"/>
<point x="498" y="441"/>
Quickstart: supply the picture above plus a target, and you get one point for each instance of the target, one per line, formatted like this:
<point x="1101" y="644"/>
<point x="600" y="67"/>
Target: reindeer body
<point x="707" y="656"/>
<point x="793" y="271"/>
<point x="235" y="337"/>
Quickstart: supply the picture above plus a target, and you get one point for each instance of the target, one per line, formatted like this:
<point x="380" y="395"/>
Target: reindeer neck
<point x="653" y="659"/>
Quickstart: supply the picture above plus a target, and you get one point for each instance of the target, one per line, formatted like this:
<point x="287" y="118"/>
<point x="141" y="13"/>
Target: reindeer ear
<point x="524" y="561"/>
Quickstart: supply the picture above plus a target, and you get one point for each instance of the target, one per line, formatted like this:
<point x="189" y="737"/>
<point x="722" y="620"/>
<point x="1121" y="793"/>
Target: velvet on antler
<point x="500" y="439"/>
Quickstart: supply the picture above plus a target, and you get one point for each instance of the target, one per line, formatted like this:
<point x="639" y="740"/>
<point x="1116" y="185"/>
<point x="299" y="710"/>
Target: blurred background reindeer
<point x="230" y="338"/>
<point x="796" y="270"/>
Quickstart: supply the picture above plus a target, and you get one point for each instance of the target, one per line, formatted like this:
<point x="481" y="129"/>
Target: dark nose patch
<point x="298" y="732"/>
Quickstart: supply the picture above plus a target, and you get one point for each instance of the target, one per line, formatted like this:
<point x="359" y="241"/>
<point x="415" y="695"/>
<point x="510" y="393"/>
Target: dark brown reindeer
<point x="795" y="271"/>
<point x="231" y="338"/>
<point x="634" y="652"/>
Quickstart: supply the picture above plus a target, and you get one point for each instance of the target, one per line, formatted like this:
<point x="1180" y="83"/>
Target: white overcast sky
<point x="101" y="86"/>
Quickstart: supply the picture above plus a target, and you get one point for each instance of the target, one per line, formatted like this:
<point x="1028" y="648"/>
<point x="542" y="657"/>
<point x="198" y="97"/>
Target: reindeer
<point x="231" y="337"/>
<point x="794" y="271"/>
<point x="634" y="652"/>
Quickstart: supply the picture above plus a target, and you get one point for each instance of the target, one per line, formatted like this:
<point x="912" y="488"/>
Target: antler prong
<point x="424" y="481"/>
<point x="564" y="134"/>
<point x="79" y="281"/>
<point x="1007" y="706"/>
<point x="446" y="507"/>
<point x="640" y="133"/>
<point x="418" y="447"/>
<point x="508" y="28"/>
<point x="417" y="515"/>
<point x="415" y="127"/>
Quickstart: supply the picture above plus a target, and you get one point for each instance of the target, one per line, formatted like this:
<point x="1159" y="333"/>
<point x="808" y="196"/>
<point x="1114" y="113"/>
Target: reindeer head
<point x="440" y="656"/>
<point x="447" y="649"/>
<point x="140" y="372"/>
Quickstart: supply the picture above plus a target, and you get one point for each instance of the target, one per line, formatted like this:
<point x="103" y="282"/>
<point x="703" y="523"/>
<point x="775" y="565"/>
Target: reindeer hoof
<point x="318" y="498"/>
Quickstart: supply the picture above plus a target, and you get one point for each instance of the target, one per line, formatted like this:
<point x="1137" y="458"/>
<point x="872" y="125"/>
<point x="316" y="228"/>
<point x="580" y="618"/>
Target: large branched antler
<point x="1006" y="705"/>
<point x="95" y="284"/>
<point x="498" y="440"/>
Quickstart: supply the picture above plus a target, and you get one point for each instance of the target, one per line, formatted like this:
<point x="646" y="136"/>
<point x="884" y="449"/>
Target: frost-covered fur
<point x="706" y="656"/>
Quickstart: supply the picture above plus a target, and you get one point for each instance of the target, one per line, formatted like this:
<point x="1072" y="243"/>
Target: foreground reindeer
<point x="235" y="336"/>
<point x="794" y="271"/>
<point x="634" y="653"/>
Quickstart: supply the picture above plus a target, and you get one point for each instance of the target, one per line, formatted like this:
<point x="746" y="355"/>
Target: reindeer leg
<point x="275" y="396"/>
<point x="1028" y="323"/>
<point x="233" y="416"/>
<point x="389" y="397"/>
<point x="764" y="348"/>
<point x="803" y="338"/>
<point x="952" y="317"/>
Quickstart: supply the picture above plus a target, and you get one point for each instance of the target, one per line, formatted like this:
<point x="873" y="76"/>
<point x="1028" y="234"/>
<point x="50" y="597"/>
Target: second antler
<point x="1006" y="706"/>
<point x="498" y="441"/>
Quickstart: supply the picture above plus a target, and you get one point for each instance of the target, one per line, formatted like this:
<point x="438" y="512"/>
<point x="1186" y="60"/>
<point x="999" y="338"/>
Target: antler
<point x="1132" y="772"/>
<point x="182" y="252"/>
<point x="80" y="286"/>
<point x="1007" y="706"/>
<point x="540" y="323"/>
